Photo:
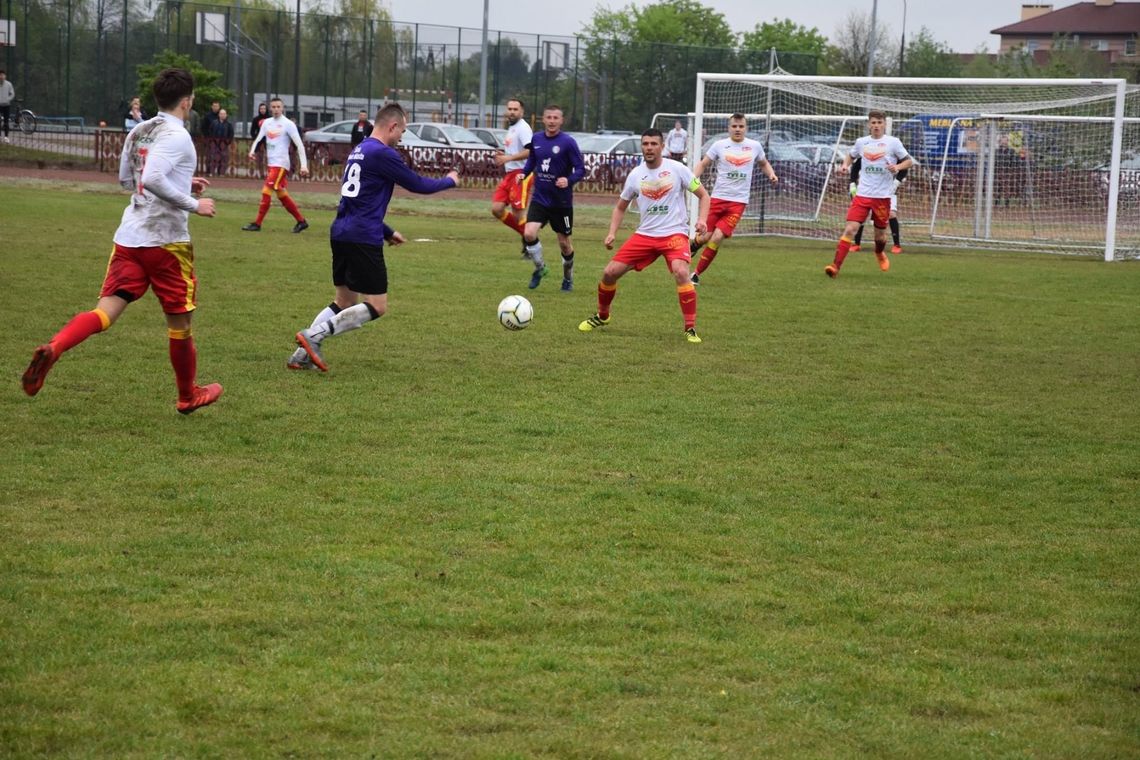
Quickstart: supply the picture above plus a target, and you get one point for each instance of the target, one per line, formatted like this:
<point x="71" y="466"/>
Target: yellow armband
<point x="694" y="185"/>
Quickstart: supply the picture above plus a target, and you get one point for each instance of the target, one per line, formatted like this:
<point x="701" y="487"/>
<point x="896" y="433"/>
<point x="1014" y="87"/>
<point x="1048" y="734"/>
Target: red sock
<point x="606" y="295"/>
<point x="707" y="256"/>
<point x="184" y="359"/>
<point x="263" y="208"/>
<point x="290" y="206"/>
<point x="511" y="221"/>
<point x="687" y="295"/>
<point x="80" y="328"/>
<point x="841" y="251"/>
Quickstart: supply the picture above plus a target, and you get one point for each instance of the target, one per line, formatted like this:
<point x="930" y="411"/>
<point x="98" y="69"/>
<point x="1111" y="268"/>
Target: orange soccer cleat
<point x="831" y="271"/>
<point x="855" y="248"/>
<point x="884" y="262"/>
<point x="896" y="249"/>
<point x="203" y="395"/>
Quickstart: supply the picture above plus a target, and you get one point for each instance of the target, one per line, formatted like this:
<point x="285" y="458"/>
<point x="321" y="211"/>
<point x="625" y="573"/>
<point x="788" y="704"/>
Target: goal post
<point x="1047" y="165"/>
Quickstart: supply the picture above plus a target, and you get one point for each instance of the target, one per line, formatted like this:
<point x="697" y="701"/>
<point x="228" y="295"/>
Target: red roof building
<point x="1105" y="26"/>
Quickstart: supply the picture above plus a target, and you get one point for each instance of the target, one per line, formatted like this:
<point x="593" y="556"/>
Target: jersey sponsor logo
<point x="273" y="134"/>
<point x="874" y="154"/>
<point x="545" y="164"/>
<point x="656" y="189"/>
<point x="739" y="157"/>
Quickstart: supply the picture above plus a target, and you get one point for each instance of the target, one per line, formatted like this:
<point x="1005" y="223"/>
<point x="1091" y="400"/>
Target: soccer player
<point x="555" y="161"/>
<point x="883" y="156"/>
<point x="677" y="142"/>
<point x="659" y="184"/>
<point x="278" y="132"/>
<point x="734" y="158"/>
<point x="358" y="234"/>
<point x="152" y="244"/>
<point x="894" y="218"/>
<point x="509" y="200"/>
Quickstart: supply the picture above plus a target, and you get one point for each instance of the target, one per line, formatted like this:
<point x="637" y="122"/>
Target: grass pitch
<point x="888" y="515"/>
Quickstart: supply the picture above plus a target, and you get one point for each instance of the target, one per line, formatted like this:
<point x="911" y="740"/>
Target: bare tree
<point x="851" y="50"/>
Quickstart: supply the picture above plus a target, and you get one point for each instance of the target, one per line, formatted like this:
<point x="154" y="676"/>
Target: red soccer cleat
<point x="896" y="249"/>
<point x="884" y="262"/>
<point x="831" y="271"/>
<point x="203" y="395"/>
<point x="855" y="248"/>
<point x="42" y="360"/>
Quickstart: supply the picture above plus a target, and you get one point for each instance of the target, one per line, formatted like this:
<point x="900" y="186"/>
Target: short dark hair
<point x="738" y="117"/>
<point x="876" y="114"/>
<point x="277" y="100"/>
<point x="2" y="71"/>
<point x="551" y="107"/>
<point x="653" y="132"/>
<point x="522" y="105"/>
<point x="388" y="113"/>
<point x="170" y="86"/>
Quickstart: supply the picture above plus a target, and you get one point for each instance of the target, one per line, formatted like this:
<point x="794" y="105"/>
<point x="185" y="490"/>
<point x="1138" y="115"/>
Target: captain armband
<point x="694" y="185"/>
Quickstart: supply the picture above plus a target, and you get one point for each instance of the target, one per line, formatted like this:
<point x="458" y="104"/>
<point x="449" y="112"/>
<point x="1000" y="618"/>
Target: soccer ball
<point x="515" y="313"/>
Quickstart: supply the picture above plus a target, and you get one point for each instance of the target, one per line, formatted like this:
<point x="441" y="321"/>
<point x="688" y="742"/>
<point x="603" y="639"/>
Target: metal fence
<point x="72" y="60"/>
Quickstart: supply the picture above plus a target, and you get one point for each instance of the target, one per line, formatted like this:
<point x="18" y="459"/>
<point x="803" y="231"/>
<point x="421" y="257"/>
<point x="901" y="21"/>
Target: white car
<point x="494" y="137"/>
<point x="446" y="135"/>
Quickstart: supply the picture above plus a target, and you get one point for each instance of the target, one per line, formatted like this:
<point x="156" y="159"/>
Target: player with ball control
<point x="357" y="236"/>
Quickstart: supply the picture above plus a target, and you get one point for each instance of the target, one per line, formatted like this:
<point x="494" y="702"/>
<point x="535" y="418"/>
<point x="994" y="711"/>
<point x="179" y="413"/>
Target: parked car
<point x="610" y="158"/>
<point x="1129" y="177"/>
<point x="447" y="135"/>
<point x="818" y="153"/>
<point x="494" y="137"/>
<point x="329" y="144"/>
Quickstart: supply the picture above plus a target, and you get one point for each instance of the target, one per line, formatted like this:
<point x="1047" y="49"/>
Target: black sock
<point x="895" y="229"/>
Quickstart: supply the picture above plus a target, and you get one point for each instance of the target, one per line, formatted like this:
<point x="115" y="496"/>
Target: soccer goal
<point x="1026" y="164"/>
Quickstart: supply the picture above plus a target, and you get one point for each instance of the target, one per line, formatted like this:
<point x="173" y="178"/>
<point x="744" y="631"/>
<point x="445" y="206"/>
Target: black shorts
<point x="561" y="220"/>
<point x="359" y="267"/>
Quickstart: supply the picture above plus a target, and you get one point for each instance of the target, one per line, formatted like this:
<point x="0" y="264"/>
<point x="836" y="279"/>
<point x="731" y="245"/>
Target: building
<point x="1107" y="27"/>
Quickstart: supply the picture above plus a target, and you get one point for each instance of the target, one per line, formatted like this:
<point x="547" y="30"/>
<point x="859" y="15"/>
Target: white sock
<point x="535" y="252"/>
<point x="326" y="314"/>
<point x="350" y="319"/>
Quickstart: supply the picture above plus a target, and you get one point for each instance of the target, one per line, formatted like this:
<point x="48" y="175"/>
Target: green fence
<point x="71" y="61"/>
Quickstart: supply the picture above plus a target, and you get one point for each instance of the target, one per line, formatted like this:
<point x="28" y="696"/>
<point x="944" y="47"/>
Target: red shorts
<point x="513" y="192"/>
<point x="169" y="269"/>
<point x="277" y="179"/>
<point x="879" y="210"/>
<point x="725" y="215"/>
<point x="641" y="250"/>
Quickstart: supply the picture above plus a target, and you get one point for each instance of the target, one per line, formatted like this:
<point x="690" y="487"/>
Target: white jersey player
<point x="659" y="185"/>
<point x="279" y="133"/>
<point x="509" y="201"/>
<point x="882" y="157"/>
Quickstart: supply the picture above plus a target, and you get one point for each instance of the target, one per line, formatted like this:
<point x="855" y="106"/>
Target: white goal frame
<point x="775" y="81"/>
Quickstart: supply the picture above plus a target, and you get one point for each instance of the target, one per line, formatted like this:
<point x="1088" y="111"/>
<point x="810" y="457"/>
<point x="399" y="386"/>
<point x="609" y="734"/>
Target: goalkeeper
<point x="893" y="221"/>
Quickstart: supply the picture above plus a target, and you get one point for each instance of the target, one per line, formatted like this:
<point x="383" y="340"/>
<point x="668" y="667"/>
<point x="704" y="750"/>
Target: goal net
<point x="1025" y="164"/>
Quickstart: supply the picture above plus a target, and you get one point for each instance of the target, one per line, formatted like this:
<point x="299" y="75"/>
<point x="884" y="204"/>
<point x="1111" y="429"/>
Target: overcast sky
<point x="962" y="24"/>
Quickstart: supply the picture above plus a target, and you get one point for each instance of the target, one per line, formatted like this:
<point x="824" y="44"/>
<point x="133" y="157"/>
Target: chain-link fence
<point x="79" y="60"/>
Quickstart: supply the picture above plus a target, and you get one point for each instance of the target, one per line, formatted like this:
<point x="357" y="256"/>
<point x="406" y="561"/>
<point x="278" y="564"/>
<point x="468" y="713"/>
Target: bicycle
<point x="23" y="119"/>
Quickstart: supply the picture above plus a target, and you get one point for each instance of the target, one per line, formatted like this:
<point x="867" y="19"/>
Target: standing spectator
<point x="555" y="160"/>
<point x="254" y="130"/>
<point x="278" y="132"/>
<point x="210" y="118"/>
<point x="358" y="235"/>
<point x="659" y="185"/>
<point x="508" y="202"/>
<point x="221" y="141"/>
<point x="152" y="245"/>
<point x="135" y="115"/>
<point x="7" y="95"/>
<point x="677" y="142"/>
<point x="361" y="129"/>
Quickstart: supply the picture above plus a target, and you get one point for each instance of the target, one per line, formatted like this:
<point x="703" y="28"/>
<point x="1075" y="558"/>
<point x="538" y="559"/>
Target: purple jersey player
<point x="556" y="163"/>
<point x="358" y="233"/>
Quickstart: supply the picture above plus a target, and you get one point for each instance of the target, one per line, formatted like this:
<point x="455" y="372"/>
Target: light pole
<point x="902" y="44"/>
<point x="870" y="40"/>
<point x="483" y="70"/>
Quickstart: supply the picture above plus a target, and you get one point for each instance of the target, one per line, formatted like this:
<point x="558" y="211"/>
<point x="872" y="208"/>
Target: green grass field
<point x="883" y="516"/>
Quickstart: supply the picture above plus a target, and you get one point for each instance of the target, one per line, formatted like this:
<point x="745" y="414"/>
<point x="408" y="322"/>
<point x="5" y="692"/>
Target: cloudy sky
<point x="963" y="24"/>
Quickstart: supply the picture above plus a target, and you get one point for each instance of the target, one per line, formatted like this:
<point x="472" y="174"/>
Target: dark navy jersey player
<point x="556" y="163"/>
<point x="357" y="236"/>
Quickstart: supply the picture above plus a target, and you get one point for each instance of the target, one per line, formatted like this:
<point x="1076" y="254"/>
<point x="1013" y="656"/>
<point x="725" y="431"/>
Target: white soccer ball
<point x="515" y="313"/>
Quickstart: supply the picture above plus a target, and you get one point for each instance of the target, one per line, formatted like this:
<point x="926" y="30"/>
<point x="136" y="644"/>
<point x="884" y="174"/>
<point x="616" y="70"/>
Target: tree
<point x="648" y="57"/>
<point x="927" y="57"/>
<point x="206" y="87"/>
<point x="850" y="54"/>
<point x="798" y="48"/>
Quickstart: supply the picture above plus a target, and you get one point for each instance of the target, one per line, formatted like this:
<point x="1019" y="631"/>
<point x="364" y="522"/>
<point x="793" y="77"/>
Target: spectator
<point x="361" y="129"/>
<point x="135" y="115"/>
<point x="254" y="130"/>
<point x="221" y="142"/>
<point x="7" y="95"/>
<point x="210" y="118"/>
